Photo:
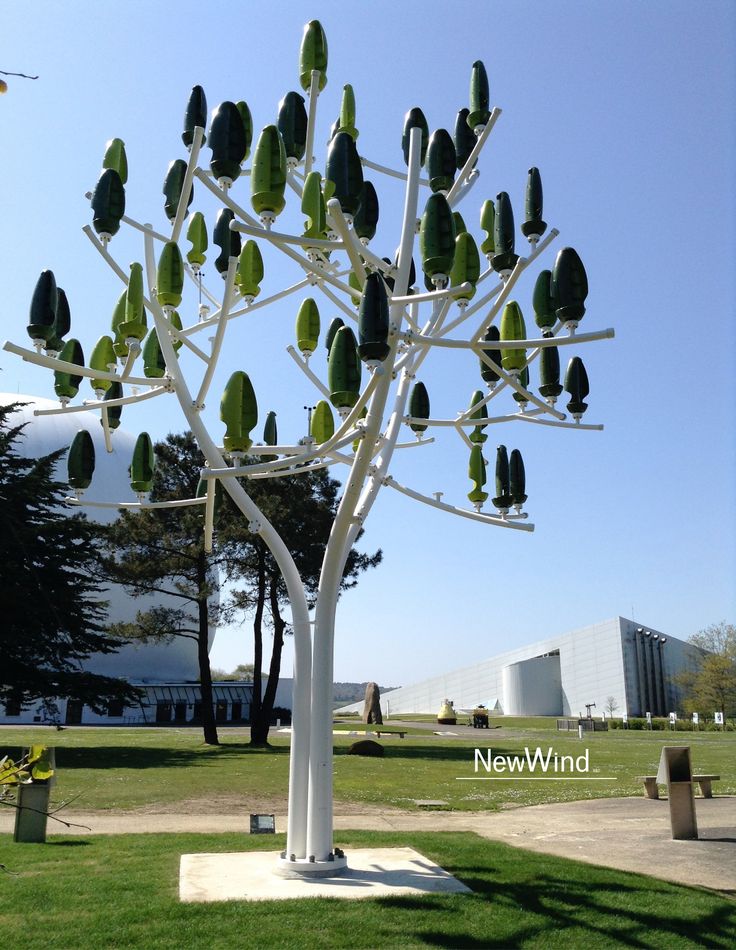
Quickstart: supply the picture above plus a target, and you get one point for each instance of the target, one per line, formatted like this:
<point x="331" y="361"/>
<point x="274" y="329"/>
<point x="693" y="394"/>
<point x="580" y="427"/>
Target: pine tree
<point x="161" y="552"/>
<point x="53" y="617"/>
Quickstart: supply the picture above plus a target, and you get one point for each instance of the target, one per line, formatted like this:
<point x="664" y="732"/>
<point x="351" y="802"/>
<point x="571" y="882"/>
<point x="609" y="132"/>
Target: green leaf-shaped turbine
<point x="154" y="364"/>
<point x="513" y="328"/>
<point x="576" y="384"/>
<point x="478" y="435"/>
<point x="441" y="160"/>
<point x="414" y="119"/>
<point x="228" y="241"/>
<point x="479" y="96"/>
<point x="466" y="266"/>
<point x="313" y="205"/>
<point x="347" y="112"/>
<point x="108" y="203"/>
<point x="373" y="322"/>
<point x="345" y="171"/>
<point x="419" y="406"/>
<point x="116" y="158"/>
<point x="239" y="412"/>
<point x="81" y="461"/>
<point x="227" y="141"/>
<point x="292" y="124"/>
<point x="464" y="138"/>
<point x="517" y="478"/>
<point x="307" y="326"/>
<point x="477" y="474"/>
<point x="66" y="385"/>
<point x="173" y="185"/>
<point x="488" y="223"/>
<point x="533" y="226"/>
<point x="437" y="237"/>
<point x="197" y="236"/>
<point x="366" y="217"/>
<point x="343" y="370"/>
<point x="313" y="55"/>
<point x="569" y="286"/>
<point x="489" y="375"/>
<point x="42" y="314"/>
<point x="268" y="174"/>
<point x="134" y="326"/>
<point x="544" y="303"/>
<point x="103" y="360"/>
<point x="170" y="276"/>
<point x="503" y="498"/>
<point x="504" y="258"/>
<point x="195" y="115"/>
<point x="549" y="373"/>
<point x="323" y="425"/>
<point x="142" y="464"/>
<point x="249" y="274"/>
<point x="113" y="412"/>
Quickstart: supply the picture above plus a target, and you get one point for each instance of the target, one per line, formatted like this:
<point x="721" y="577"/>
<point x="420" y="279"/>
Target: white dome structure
<point x="141" y="663"/>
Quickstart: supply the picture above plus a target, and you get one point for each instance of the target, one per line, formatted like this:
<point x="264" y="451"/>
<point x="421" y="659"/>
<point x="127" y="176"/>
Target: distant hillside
<point x="345" y="693"/>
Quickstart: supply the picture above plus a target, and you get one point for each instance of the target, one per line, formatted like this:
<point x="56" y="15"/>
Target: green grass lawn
<point x="121" y="891"/>
<point x="132" y="768"/>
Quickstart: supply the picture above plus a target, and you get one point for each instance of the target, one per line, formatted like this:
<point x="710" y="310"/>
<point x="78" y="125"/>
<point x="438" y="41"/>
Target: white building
<point x="618" y="658"/>
<point x="166" y="672"/>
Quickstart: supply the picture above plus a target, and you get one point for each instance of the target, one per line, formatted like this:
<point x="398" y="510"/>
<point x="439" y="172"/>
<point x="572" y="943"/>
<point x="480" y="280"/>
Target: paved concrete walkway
<point x="631" y="834"/>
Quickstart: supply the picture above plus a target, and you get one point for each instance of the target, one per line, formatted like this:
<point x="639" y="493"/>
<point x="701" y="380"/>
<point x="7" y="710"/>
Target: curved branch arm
<point x="462" y="512"/>
<point x="135" y="505"/>
<point x="90" y="405"/>
<point x="31" y="356"/>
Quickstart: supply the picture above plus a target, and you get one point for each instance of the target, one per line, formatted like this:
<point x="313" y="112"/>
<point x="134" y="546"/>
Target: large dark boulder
<point x="368" y="747"/>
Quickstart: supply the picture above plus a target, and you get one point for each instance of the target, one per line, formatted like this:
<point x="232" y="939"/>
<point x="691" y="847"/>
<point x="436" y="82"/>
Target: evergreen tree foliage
<point x="161" y="552"/>
<point x="52" y="616"/>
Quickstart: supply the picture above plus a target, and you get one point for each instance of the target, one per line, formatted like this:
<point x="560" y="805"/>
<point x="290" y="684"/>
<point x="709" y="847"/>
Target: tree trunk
<point x="209" y="725"/>
<point x="274" y="670"/>
<point x="257" y="736"/>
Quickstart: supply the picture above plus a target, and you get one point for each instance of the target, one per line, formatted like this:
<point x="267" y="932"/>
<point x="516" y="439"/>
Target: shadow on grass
<point x="444" y="753"/>
<point x="136" y="757"/>
<point x="595" y="903"/>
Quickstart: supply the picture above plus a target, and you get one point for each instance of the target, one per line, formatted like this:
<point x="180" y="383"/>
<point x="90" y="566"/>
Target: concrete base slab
<point x="371" y="872"/>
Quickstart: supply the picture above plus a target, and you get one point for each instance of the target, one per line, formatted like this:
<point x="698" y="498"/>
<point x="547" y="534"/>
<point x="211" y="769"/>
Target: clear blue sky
<point x="626" y="108"/>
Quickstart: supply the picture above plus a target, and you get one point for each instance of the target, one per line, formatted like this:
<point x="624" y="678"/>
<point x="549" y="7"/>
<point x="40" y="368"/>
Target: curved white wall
<point x="533" y="687"/>
<point x="173" y="662"/>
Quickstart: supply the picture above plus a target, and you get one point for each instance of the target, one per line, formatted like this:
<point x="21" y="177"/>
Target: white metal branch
<point x="452" y="509"/>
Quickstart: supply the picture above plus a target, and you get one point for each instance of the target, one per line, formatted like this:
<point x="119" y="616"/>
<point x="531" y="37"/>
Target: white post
<point x="319" y="830"/>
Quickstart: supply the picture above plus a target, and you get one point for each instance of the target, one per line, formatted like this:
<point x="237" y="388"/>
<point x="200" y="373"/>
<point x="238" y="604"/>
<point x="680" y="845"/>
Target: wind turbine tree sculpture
<point x="398" y="325"/>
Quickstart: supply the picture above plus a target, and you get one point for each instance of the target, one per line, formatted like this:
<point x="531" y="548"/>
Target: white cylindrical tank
<point x="175" y="661"/>
<point x="533" y="687"/>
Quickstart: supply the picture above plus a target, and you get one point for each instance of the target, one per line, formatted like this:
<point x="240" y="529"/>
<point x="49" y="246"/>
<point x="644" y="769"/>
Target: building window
<point x="115" y="709"/>
<point x="12" y="708"/>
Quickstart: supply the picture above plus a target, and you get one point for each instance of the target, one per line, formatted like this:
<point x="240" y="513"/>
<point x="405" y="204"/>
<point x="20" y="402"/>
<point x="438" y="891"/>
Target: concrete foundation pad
<point x="251" y="876"/>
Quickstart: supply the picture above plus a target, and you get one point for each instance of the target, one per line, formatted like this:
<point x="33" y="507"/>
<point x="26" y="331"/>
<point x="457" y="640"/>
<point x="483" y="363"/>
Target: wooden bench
<point x="705" y="781"/>
<point x="392" y="733"/>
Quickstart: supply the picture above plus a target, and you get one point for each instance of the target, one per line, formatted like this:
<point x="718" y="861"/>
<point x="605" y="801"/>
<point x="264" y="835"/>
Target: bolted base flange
<point x="287" y="866"/>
